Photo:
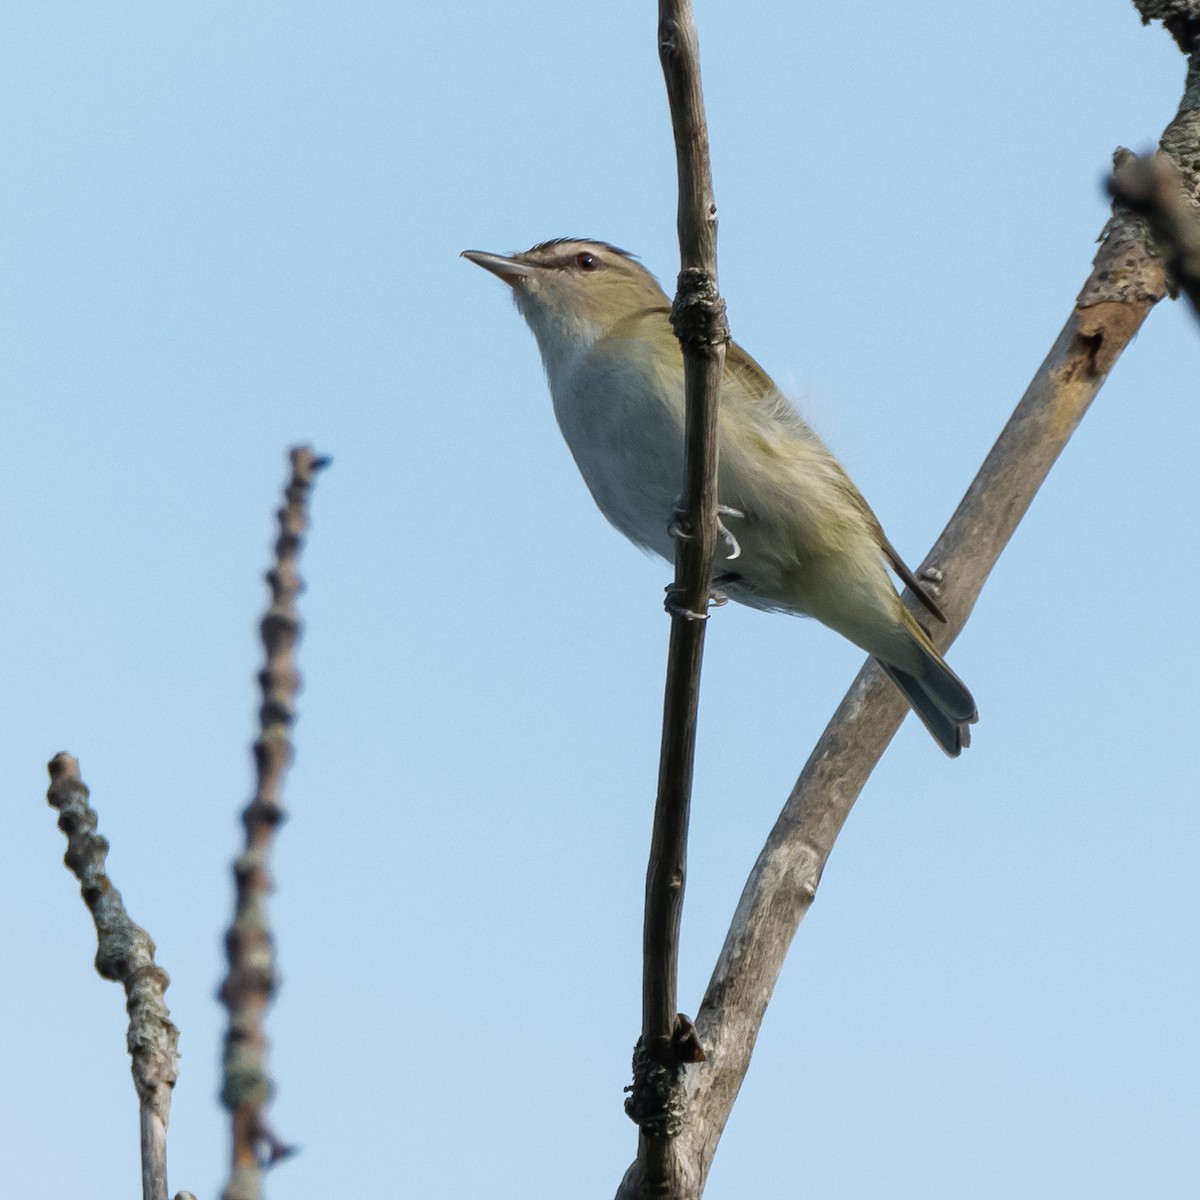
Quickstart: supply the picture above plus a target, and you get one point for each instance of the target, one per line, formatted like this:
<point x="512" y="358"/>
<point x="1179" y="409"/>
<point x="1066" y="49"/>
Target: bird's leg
<point x="672" y="604"/>
<point x="716" y="598"/>
<point x="675" y="609"/>
<point x="675" y="527"/>
<point x="735" y="551"/>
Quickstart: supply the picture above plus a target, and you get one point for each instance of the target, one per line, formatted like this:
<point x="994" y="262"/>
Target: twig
<point x="698" y="316"/>
<point x="251" y="983"/>
<point x="124" y="954"/>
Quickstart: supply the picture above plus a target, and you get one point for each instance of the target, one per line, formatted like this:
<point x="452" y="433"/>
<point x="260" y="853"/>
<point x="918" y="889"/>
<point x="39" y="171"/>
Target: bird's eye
<point x="586" y="262"/>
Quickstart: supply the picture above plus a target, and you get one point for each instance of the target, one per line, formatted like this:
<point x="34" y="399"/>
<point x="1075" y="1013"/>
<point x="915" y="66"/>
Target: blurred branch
<point x="124" y="954"/>
<point x="1165" y="189"/>
<point x="252" y="981"/>
<point x="1151" y="187"/>
<point x="1126" y="281"/>
<point x="698" y="315"/>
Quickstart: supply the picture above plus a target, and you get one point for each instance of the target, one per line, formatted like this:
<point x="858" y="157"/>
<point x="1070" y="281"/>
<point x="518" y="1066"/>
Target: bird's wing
<point x="762" y="388"/>
<point x="910" y="580"/>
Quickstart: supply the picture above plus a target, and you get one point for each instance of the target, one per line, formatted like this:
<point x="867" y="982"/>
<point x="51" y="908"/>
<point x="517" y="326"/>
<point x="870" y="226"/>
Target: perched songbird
<point x="799" y="537"/>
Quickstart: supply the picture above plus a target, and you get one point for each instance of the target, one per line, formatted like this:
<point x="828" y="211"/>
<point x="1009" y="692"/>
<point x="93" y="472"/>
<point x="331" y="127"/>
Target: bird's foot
<point x="720" y="582"/>
<point x="717" y="597"/>
<point x="677" y="528"/>
<point x="735" y="550"/>
<point x="676" y="608"/>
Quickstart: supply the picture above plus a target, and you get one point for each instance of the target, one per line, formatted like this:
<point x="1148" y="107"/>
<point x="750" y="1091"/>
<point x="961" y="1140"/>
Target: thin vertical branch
<point x="124" y="954"/>
<point x="251" y="983"/>
<point x="698" y="316"/>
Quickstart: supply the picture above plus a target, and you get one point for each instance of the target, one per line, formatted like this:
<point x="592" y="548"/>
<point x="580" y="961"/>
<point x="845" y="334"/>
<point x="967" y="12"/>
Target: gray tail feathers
<point x="940" y="699"/>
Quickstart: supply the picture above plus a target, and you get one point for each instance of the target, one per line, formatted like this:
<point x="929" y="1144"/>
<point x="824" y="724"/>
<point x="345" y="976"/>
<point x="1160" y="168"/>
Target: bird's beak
<point x="509" y="269"/>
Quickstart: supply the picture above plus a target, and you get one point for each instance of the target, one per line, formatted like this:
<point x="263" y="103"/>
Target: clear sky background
<point x="229" y="228"/>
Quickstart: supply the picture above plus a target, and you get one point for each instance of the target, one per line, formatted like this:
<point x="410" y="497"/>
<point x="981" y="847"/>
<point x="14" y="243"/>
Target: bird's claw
<point x="716" y="599"/>
<point x="676" y="609"/>
<point x="677" y="529"/>
<point x="735" y="550"/>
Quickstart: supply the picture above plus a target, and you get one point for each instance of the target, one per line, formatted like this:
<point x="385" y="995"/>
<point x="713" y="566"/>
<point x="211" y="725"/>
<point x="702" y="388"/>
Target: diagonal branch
<point x="1127" y="280"/>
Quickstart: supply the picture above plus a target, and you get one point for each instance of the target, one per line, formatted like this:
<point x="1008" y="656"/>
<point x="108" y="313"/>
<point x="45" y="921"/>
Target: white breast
<point x="625" y="431"/>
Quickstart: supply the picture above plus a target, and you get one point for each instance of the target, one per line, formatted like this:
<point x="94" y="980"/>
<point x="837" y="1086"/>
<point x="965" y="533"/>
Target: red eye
<point x="586" y="261"/>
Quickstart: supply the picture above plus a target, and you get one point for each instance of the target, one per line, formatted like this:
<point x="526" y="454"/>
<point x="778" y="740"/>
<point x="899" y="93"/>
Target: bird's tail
<point x="941" y="700"/>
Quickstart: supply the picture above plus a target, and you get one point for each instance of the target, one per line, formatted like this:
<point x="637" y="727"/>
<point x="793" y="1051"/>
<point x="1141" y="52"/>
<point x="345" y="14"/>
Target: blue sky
<point x="231" y="228"/>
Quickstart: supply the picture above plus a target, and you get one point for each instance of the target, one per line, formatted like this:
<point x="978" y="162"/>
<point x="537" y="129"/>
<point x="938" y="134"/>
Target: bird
<point x="797" y="535"/>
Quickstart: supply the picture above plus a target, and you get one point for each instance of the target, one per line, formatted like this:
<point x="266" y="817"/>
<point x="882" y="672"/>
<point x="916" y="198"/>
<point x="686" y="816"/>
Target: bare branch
<point x="1127" y="280"/>
<point x="124" y="954"/>
<point x="251" y="983"/>
<point x="698" y="315"/>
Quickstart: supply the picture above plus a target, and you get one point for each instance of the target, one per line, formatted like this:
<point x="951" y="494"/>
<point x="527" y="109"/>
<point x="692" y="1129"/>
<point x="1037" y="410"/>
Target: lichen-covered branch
<point x="251" y="983"/>
<point x="124" y="954"/>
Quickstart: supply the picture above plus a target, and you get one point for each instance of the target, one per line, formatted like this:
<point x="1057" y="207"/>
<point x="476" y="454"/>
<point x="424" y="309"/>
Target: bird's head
<point x="573" y="292"/>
